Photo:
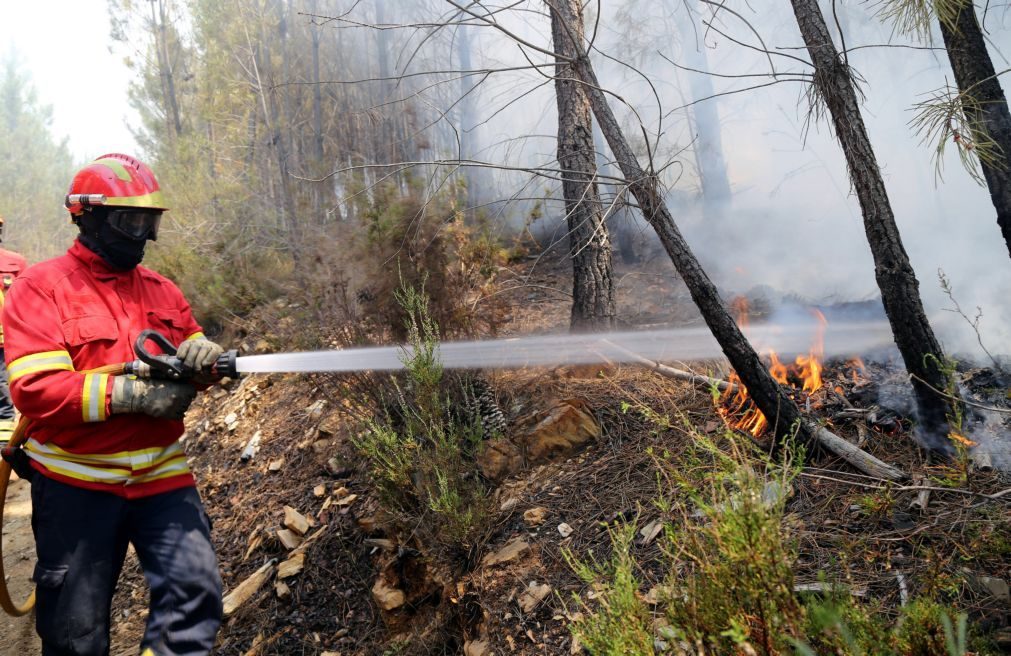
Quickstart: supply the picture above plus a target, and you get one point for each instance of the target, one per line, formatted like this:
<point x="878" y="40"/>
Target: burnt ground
<point x="843" y="523"/>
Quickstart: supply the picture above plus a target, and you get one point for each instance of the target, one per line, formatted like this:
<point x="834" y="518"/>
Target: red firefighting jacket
<point x="71" y="314"/>
<point x="11" y="266"/>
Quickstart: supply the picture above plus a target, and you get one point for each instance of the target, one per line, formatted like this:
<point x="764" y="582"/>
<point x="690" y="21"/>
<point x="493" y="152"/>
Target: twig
<point x="955" y="398"/>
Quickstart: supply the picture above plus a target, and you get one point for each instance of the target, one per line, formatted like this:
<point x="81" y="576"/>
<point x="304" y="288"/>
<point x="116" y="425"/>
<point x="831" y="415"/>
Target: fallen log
<point x="826" y="439"/>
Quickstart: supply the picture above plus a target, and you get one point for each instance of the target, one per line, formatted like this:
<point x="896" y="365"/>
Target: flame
<point x="805" y="369"/>
<point x="961" y="439"/>
<point x="856" y="365"/>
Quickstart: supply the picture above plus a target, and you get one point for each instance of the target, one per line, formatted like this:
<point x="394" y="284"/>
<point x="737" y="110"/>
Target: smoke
<point x="792" y="224"/>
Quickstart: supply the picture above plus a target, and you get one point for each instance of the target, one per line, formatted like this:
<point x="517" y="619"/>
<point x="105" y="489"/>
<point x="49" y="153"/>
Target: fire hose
<point x="164" y="366"/>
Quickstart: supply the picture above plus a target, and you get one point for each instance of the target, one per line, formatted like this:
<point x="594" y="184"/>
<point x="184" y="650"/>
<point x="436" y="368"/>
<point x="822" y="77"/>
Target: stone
<point x="476" y="648"/>
<point x="276" y="464"/>
<point x="289" y="539"/>
<point x="315" y="411"/>
<point x="509" y="504"/>
<point x="511" y="551"/>
<point x="291" y="567"/>
<point x="387" y="597"/>
<point x="650" y="531"/>
<point x="535" y="516"/>
<point x="282" y="590"/>
<point x="564" y="530"/>
<point x="295" y="521"/>
<point x="533" y="596"/>
<point x="319" y="490"/>
<point x="998" y="588"/>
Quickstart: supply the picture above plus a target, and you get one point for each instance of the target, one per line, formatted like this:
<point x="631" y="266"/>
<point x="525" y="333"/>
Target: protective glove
<point x="158" y="398"/>
<point x="198" y="354"/>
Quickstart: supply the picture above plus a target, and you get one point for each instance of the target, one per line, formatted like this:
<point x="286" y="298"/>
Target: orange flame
<point x="806" y="369"/>
<point x="961" y="439"/>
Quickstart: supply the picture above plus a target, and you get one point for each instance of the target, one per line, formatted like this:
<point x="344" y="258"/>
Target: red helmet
<point x="114" y="180"/>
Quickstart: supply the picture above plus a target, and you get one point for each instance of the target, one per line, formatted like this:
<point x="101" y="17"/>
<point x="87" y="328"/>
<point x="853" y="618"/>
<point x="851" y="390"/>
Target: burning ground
<point x="608" y="492"/>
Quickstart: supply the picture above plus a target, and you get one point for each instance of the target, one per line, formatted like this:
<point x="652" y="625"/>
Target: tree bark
<point x="782" y="413"/>
<point x="899" y="287"/>
<point x="165" y="66"/>
<point x="989" y="117"/>
<point x="589" y="242"/>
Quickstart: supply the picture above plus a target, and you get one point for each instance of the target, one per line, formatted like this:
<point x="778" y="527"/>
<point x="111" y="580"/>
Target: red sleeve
<point x="191" y="329"/>
<point x="22" y="264"/>
<point x="43" y="382"/>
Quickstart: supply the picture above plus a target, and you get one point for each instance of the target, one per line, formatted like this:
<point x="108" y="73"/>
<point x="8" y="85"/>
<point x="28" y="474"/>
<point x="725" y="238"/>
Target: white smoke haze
<point x="792" y="224"/>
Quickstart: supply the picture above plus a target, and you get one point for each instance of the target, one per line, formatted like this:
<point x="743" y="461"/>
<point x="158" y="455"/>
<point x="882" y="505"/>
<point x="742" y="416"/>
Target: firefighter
<point x="108" y="469"/>
<point x="11" y="266"/>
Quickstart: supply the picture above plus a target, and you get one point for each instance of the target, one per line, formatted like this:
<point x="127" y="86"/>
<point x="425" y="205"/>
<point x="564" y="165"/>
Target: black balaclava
<point x="119" y="251"/>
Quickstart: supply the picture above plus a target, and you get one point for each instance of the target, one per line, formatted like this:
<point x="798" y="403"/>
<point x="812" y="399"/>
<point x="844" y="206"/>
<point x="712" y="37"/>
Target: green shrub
<point x="420" y="454"/>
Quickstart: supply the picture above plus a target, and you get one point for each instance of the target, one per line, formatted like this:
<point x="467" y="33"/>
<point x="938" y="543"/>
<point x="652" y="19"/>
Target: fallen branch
<point x="828" y="440"/>
<point x="671" y="372"/>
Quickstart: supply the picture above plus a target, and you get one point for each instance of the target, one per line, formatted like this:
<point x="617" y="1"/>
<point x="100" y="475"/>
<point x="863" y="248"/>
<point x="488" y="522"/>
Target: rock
<point x="291" y="567"/>
<point x="329" y="426"/>
<point x="576" y="647"/>
<point x="289" y="539"/>
<point x="262" y="346"/>
<point x="252" y="446"/>
<point x="249" y="587"/>
<point x="276" y="465"/>
<point x="565" y="426"/>
<point x="315" y="411"/>
<point x="533" y="596"/>
<point x="509" y="504"/>
<point x="231" y="418"/>
<point x="499" y="458"/>
<point x="282" y="590"/>
<point x="321" y="446"/>
<point x="565" y="530"/>
<point x="340" y="492"/>
<point x="650" y="531"/>
<point x="319" y="490"/>
<point x="347" y="501"/>
<point x="511" y="551"/>
<point x="295" y="521"/>
<point x="998" y="588"/>
<point x="535" y="516"/>
<point x="476" y="648"/>
<point x="387" y="597"/>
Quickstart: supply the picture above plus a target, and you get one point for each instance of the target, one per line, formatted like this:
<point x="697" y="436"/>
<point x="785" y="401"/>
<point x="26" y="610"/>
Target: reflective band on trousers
<point x="122" y="468"/>
<point x="45" y="361"/>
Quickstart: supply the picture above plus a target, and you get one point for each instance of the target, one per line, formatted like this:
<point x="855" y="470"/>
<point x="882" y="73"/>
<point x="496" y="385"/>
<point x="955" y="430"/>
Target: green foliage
<point x="35" y="170"/>
<point x="420" y="455"/>
<point x="741" y="540"/>
<point x="949" y="116"/>
<point x="916" y="16"/>
<point x="619" y="623"/>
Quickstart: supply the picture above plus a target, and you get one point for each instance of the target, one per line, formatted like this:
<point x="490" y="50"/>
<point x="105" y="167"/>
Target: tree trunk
<point x="467" y="123"/>
<point x="900" y="293"/>
<point x="989" y="115"/>
<point x="589" y="243"/>
<point x="165" y="67"/>
<point x="767" y="394"/>
<point x="709" y="140"/>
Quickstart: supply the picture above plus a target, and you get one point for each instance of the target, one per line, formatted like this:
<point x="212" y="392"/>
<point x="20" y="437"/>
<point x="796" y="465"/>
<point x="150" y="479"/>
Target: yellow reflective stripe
<point x="148" y="652"/>
<point x="134" y="460"/>
<point x="196" y="335"/>
<point x="93" y="397"/>
<point x="45" y="361"/>
<point x="153" y="200"/>
<point x="117" y="167"/>
<point x="172" y="463"/>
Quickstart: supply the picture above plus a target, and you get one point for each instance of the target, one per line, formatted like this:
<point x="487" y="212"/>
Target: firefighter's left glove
<point x="158" y="398"/>
<point x="199" y="354"/>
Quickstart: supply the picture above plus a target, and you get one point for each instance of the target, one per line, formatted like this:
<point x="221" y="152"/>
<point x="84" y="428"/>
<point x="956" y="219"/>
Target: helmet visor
<point x="135" y="224"/>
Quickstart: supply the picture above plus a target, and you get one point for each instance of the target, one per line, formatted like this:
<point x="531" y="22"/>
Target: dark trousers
<point x="81" y="539"/>
<point x="6" y="405"/>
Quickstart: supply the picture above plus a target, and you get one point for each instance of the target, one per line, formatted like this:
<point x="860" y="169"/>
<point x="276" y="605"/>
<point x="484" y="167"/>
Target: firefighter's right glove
<point x="158" y="398"/>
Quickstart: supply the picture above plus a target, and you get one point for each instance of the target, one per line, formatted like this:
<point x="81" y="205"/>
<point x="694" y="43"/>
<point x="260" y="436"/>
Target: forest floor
<point x="514" y="591"/>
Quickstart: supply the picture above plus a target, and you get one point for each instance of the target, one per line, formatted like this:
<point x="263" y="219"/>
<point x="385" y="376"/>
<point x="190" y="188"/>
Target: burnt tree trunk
<point x="165" y="68"/>
<point x="767" y="394"/>
<point x="589" y="243"/>
<point x="989" y="115"/>
<point x="895" y="277"/>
